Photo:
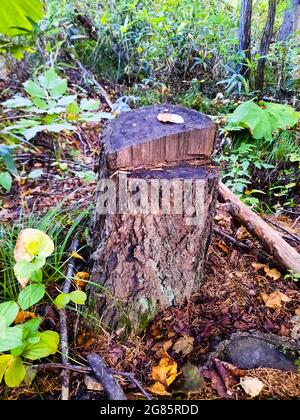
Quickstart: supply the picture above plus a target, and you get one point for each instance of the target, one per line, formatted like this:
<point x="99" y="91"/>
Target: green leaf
<point x="40" y="103"/>
<point x="5" y="360"/>
<point x="89" y="104"/>
<point x="281" y="116"/>
<point x="37" y="276"/>
<point x="17" y="102"/>
<point x="66" y="100"/>
<point x="62" y="300"/>
<point x="30" y="375"/>
<point x="250" y="115"/>
<point x="51" y="128"/>
<point x="49" y="79"/>
<point x="32" y="325"/>
<point x="25" y="270"/>
<point x="35" y="174"/>
<point x="15" y="14"/>
<point x="73" y="108"/>
<point x="9" y="311"/>
<point x="59" y="89"/>
<point x="11" y="338"/>
<point x="15" y="373"/>
<point x="78" y="297"/>
<point x="33" y="89"/>
<point x="6" y="180"/>
<point x="31" y="295"/>
<point x="47" y="345"/>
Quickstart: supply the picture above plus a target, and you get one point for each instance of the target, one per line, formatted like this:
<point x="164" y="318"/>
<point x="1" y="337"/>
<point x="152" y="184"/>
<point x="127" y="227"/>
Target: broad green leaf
<point x="78" y="296"/>
<point x="37" y="276"/>
<point x="5" y="360"/>
<point x="5" y="153"/>
<point x="23" y="271"/>
<point x="40" y="103"/>
<point x="73" y="108"/>
<point x="59" y="89"/>
<point x="11" y="338"/>
<point x="31" y="295"/>
<point x="89" y="104"/>
<point x="47" y="345"/>
<point x="17" y="102"/>
<point x="33" y="243"/>
<point x="15" y="373"/>
<point x="250" y="115"/>
<point x="49" y="79"/>
<point x="281" y="116"/>
<point x="51" y="128"/>
<point x="15" y="14"/>
<point x="95" y="116"/>
<point x="8" y="311"/>
<point x="6" y="180"/>
<point x="33" y="89"/>
<point x="62" y="300"/>
<point x="32" y="325"/>
<point x="66" y="100"/>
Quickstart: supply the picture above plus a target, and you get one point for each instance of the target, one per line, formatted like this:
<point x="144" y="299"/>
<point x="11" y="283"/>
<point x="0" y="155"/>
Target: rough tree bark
<point x="245" y="36"/>
<point x="150" y="253"/>
<point x="291" y="22"/>
<point x="265" y="45"/>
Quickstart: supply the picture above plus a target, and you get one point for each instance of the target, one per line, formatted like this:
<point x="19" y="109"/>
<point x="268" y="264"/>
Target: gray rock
<point x="249" y="352"/>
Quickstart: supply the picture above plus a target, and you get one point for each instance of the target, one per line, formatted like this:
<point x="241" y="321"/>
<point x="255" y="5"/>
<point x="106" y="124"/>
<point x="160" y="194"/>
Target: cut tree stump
<point x="155" y="202"/>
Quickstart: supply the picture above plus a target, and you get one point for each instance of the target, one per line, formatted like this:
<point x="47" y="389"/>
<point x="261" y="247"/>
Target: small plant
<point x="292" y="276"/>
<point x="49" y="108"/>
<point x="24" y="341"/>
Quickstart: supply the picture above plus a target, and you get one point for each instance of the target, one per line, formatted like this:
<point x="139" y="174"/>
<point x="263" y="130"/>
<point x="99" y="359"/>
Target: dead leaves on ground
<point x="252" y="386"/>
<point x="184" y="345"/>
<point x="169" y="380"/>
<point x="271" y="273"/>
<point x="81" y="279"/>
<point x="274" y="299"/>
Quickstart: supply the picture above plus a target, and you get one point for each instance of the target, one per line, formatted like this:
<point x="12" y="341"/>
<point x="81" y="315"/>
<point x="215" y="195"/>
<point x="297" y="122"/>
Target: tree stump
<point x="155" y="202"/>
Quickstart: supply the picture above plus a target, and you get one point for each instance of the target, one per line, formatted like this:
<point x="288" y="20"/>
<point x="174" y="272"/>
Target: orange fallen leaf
<point x="166" y="371"/>
<point x="81" y="279"/>
<point x="223" y="247"/>
<point x="171" y="118"/>
<point x="274" y="299"/>
<point x="297" y="311"/>
<point x="159" y="389"/>
<point x="24" y="316"/>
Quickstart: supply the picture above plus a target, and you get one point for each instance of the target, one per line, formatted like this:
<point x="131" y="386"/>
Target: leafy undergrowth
<point x="242" y="291"/>
<point x="233" y="298"/>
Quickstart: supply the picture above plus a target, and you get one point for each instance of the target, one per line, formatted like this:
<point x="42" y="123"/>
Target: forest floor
<point x="237" y="295"/>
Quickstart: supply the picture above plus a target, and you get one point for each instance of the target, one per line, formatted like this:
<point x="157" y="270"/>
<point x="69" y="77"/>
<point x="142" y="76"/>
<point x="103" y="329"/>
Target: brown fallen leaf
<point x="274" y="299"/>
<point x="170" y="118"/>
<point x="184" y="345"/>
<point x="271" y="273"/>
<point x="81" y="279"/>
<point x="252" y="386"/>
<point x="24" y="316"/>
<point x="297" y="311"/>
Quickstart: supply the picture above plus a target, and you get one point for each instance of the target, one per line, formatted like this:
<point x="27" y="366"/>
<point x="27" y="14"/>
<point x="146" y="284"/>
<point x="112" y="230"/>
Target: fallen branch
<point x="86" y="369"/>
<point x="234" y="241"/>
<point x="65" y="377"/>
<point x="284" y="254"/>
<point x="104" y="375"/>
<point x="288" y="235"/>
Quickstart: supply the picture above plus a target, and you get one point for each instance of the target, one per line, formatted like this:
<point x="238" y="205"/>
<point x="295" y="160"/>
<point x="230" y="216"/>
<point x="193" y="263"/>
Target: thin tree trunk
<point x="291" y="22"/>
<point x="245" y="36"/>
<point x="265" y="45"/>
